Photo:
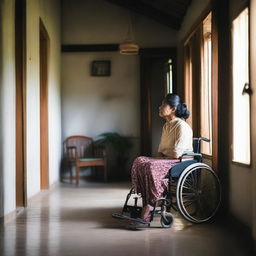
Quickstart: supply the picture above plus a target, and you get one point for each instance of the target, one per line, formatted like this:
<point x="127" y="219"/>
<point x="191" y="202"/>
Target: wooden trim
<point x="215" y="61"/>
<point x="44" y="150"/>
<point x="197" y="23"/>
<point x="90" y="47"/>
<point x="158" y="51"/>
<point x="90" y="163"/>
<point x="192" y="80"/>
<point x="77" y="137"/>
<point x="221" y="95"/>
<point x="20" y="76"/>
<point x="242" y="164"/>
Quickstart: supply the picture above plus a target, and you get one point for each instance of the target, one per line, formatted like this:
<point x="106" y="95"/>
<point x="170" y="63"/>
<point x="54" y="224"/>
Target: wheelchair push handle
<point x="196" y="149"/>
<point x="202" y="138"/>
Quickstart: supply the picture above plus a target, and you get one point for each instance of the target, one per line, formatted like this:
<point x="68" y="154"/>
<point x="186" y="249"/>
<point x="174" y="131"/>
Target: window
<point x="198" y="81"/>
<point x="241" y="97"/>
<point x="188" y="79"/>
<point x="169" y="81"/>
<point x="206" y="87"/>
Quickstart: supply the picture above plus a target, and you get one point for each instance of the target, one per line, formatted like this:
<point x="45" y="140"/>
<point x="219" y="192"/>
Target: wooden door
<point x="44" y="152"/>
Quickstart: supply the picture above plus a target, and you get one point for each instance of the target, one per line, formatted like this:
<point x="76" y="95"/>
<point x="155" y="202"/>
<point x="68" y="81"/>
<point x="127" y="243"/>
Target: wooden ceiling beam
<point x="149" y="11"/>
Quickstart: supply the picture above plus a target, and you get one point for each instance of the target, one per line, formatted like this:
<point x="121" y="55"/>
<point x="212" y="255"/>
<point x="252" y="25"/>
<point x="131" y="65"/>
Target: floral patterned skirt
<point x="149" y="177"/>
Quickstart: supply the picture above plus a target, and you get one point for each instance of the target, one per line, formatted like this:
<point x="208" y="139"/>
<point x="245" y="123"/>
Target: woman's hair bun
<point x="181" y="108"/>
<point x="182" y="111"/>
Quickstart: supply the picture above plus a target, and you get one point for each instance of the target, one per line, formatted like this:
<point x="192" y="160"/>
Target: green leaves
<point x="121" y="144"/>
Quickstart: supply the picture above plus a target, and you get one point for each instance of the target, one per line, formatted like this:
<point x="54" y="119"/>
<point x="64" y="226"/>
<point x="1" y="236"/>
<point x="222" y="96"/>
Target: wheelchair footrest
<point x="123" y="217"/>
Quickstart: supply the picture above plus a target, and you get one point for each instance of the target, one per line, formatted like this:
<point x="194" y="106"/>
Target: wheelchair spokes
<point x="195" y="193"/>
<point x="198" y="195"/>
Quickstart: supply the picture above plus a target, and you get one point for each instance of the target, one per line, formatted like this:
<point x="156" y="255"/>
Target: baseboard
<point x="11" y="215"/>
<point x="14" y="214"/>
<point x="42" y="192"/>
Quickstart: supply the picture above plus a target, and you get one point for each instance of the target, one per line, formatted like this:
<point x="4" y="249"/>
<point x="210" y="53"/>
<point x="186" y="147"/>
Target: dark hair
<point x="174" y="101"/>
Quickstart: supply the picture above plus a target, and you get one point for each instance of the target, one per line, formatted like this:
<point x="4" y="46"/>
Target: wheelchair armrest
<point x="188" y="154"/>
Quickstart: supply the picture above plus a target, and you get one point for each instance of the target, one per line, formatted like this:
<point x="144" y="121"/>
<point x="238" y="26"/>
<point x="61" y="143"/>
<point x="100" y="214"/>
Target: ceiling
<point x="166" y="12"/>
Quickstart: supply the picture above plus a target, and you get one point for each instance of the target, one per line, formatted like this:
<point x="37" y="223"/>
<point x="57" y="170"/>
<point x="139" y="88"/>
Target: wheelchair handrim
<point x="182" y="179"/>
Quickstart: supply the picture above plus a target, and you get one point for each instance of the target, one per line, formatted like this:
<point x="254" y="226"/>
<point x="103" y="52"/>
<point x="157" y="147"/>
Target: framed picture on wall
<point x="101" y="68"/>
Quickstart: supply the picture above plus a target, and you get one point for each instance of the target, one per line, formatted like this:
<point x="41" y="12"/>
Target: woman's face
<point x="165" y="110"/>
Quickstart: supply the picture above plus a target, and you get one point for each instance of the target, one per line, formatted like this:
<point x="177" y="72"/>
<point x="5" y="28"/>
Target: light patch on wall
<point x="93" y="105"/>
<point x="110" y="97"/>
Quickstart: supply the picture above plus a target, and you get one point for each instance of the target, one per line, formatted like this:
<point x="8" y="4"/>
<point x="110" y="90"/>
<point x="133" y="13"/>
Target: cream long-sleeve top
<point x="177" y="137"/>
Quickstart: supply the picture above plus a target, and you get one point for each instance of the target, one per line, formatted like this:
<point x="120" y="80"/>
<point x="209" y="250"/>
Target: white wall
<point x="50" y="15"/>
<point x="7" y="107"/>
<point x="49" y="12"/>
<point x="92" y="105"/>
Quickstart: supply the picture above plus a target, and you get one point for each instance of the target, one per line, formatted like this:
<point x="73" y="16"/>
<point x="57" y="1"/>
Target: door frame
<point x="44" y="41"/>
<point x="145" y="93"/>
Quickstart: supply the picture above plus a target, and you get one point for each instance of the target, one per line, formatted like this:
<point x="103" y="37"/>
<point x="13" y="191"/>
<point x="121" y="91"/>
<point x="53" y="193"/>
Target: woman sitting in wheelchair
<point x="149" y="174"/>
<point x="197" y="190"/>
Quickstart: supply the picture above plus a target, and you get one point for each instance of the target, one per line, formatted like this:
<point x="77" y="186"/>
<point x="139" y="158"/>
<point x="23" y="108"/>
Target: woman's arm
<point x="183" y="135"/>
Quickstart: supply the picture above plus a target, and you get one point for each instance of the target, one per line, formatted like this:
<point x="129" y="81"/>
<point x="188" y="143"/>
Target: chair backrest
<point x="197" y="144"/>
<point x="78" y="147"/>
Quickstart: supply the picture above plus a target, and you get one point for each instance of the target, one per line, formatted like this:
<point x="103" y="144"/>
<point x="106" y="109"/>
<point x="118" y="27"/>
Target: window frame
<point x="194" y="99"/>
<point x="210" y="115"/>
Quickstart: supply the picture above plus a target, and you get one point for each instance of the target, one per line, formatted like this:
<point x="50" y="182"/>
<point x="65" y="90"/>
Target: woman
<point x="148" y="174"/>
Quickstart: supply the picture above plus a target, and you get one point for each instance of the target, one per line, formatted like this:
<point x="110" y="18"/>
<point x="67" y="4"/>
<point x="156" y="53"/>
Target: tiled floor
<point x="77" y="221"/>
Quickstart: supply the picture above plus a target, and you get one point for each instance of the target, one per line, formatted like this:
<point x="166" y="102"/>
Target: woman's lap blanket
<point x="149" y="177"/>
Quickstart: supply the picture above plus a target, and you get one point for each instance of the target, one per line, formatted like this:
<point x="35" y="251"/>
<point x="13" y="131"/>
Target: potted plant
<point x="120" y="147"/>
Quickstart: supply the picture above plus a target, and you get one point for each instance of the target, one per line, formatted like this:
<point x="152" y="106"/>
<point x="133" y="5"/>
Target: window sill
<point x="241" y="164"/>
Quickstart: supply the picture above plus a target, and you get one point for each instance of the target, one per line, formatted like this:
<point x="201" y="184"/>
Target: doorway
<point x="158" y="77"/>
<point x="44" y="151"/>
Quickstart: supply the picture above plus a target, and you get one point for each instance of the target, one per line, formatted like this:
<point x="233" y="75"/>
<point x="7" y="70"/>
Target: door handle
<point x="247" y="89"/>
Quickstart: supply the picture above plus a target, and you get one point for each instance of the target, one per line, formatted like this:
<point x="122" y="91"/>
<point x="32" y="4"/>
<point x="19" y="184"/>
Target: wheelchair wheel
<point x="166" y="220"/>
<point x="198" y="193"/>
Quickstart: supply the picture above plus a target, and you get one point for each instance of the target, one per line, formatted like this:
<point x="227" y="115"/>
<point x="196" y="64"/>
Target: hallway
<point x="72" y="220"/>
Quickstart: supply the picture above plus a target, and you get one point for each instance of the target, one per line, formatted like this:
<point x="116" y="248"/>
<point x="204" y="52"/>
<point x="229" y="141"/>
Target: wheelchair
<point x="193" y="190"/>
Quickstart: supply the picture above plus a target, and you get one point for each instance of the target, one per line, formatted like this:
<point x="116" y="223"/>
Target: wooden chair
<point x="80" y="151"/>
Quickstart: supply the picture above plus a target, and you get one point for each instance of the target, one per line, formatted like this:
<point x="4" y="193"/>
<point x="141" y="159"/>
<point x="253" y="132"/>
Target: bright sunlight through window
<point x="241" y="97"/>
<point x="206" y="86"/>
<point x="169" y="77"/>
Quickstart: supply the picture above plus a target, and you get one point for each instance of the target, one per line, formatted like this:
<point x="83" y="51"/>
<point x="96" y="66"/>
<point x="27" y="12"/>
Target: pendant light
<point x="129" y="47"/>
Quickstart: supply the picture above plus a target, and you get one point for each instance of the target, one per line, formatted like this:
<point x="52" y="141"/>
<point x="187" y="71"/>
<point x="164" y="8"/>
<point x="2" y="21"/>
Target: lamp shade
<point x="128" y="48"/>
